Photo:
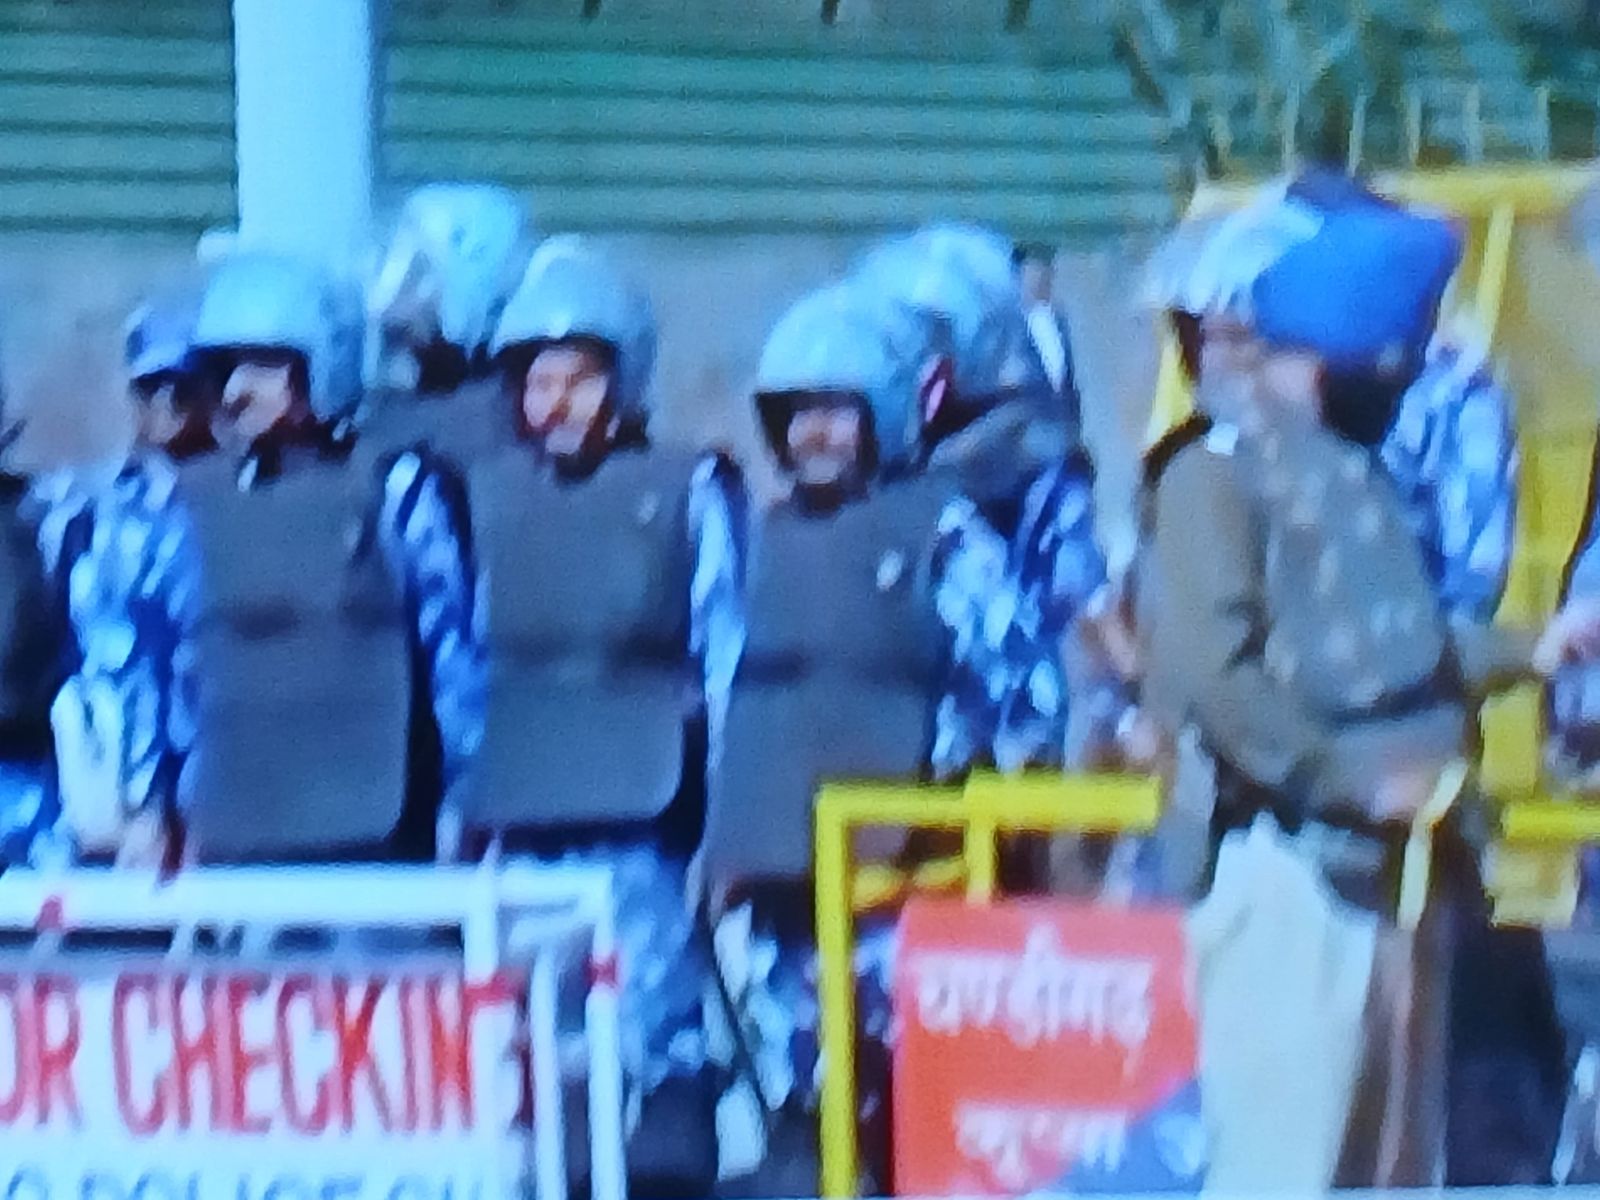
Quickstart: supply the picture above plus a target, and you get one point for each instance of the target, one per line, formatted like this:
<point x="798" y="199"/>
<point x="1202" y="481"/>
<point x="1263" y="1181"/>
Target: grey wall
<point x="63" y="301"/>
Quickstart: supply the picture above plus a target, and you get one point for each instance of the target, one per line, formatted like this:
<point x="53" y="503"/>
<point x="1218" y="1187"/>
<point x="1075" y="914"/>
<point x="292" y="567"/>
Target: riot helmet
<point x="577" y="343"/>
<point x="170" y="392"/>
<point x="1002" y="421"/>
<point x="836" y="389"/>
<point x="960" y="278"/>
<point x="457" y="253"/>
<point x="281" y="337"/>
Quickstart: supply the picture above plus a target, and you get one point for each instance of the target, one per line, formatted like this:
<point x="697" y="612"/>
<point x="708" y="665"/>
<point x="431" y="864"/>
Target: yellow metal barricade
<point x="1525" y="288"/>
<point x="989" y="805"/>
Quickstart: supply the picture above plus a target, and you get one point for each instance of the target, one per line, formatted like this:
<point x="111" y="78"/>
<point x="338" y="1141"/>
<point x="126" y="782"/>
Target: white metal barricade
<point x="329" y="1033"/>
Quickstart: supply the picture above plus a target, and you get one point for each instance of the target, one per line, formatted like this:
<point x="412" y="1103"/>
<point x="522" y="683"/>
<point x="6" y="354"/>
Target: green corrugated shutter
<point x="116" y="115"/>
<point x="616" y="127"/>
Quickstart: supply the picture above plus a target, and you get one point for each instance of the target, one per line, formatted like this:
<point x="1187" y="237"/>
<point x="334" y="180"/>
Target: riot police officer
<point x="126" y="719"/>
<point x="842" y="670"/>
<point x="171" y="397"/>
<point x="1022" y="582"/>
<point x="457" y="253"/>
<point x="609" y="587"/>
<point x="302" y="712"/>
<point x="1019" y="568"/>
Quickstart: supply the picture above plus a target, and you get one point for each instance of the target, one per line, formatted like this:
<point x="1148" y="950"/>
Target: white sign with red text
<point x="233" y="1084"/>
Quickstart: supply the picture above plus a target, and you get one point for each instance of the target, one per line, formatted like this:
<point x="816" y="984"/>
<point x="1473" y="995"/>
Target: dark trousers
<point x="1508" y="1057"/>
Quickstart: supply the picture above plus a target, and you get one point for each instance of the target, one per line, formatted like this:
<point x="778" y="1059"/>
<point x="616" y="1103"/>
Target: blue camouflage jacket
<point x="123" y="555"/>
<point x="130" y="569"/>
<point x="1009" y="605"/>
<point x="1452" y="454"/>
<point x="426" y="524"/>
<point x="425" y="532"/>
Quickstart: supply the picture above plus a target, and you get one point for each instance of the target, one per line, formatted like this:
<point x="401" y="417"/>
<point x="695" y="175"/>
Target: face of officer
<point x="1245" y="382"/>
<point x="824" y="441"/>
<point x="172" y="415"/>
<point x="161" y="420"/>
<point x="566" y="400"/>
<point x="263" y="393"/>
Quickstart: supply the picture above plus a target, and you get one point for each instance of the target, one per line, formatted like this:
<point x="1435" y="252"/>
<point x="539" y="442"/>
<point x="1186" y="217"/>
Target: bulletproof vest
<point x="589" y="674"/>
<point x="34" y="645"/>
<point x="304" y="685"/>
<point x="843" y="665"/>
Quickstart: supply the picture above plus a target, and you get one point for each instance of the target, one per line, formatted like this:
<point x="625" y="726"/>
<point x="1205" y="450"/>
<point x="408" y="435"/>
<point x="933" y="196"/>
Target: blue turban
<point x="1363" y="292"/>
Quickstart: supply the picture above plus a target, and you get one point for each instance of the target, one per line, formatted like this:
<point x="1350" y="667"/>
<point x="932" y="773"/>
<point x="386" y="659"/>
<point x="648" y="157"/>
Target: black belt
<point x="1443" y="687"/>
<point x="1361" y="860"/>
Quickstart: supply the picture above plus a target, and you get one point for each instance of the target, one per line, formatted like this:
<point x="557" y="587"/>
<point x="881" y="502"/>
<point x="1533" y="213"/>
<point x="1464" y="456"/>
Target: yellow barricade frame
<point x="986" y="807"/>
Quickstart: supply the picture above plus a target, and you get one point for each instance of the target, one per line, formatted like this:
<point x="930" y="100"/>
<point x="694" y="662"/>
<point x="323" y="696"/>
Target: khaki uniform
<point x="1288" y="617"/>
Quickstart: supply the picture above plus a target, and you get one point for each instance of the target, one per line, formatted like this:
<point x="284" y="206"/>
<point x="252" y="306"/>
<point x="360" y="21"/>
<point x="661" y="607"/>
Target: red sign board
<point x="1044" y="1044"/>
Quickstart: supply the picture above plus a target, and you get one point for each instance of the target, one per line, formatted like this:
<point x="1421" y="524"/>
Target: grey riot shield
<point x="590" y="678"/>
<point x="840" y="676"/>
<point x="304" y="678"/>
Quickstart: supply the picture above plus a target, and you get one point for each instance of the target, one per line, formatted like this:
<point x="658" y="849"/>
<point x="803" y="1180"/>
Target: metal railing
<point x="1254" y="124"/>
<point x="1445" y="114"/>
<point x="1149" y="42"/>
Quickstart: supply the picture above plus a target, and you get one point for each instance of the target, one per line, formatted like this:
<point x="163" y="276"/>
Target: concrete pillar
<point x="306" y="91"/>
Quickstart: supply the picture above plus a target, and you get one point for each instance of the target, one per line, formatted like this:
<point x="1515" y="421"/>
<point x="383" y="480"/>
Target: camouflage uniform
<point x="130" y="570"/>
<point x="1009" y="607"/>
<point x="425" y="537"/>
<point x="1453" y="457"/>
<point x="1014" y="564"/>
<point x="662" y="953"/>
<point x="117" y="546"/>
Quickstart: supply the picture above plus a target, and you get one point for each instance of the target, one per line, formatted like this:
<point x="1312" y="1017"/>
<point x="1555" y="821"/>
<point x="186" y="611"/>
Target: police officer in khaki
<point x="1286" y="615"/>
